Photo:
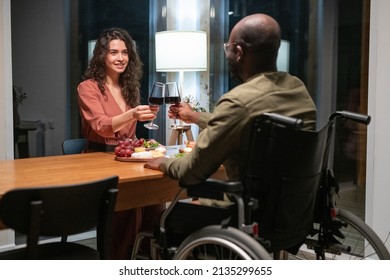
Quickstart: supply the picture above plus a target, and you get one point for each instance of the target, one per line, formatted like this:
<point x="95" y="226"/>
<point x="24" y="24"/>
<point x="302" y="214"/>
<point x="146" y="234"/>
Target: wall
<point x="7" y="237"/>
<point x="44" y="82"/>
<point x="39" y="65"/>
<point x="6" y="122"/>
<point x="378" y="148"/>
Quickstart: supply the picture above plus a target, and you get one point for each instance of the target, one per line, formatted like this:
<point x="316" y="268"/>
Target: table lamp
<point x="179" y="51"/>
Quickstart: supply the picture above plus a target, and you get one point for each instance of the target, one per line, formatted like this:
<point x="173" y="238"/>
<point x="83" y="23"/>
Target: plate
<point x="132" y="159"/>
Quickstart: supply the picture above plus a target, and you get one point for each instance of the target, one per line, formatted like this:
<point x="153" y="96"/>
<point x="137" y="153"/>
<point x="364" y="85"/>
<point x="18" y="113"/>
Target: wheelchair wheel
<point x="357" y="241"/>
<point x="363" y="241"/>
<point x="217" y="243"/>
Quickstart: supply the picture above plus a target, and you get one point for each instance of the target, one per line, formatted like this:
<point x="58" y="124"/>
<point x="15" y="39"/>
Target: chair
<point x="73" y="146"/>
<point x="60" y="211"/>
<point x="277" y="192"/>
<point x="282" y="178"/>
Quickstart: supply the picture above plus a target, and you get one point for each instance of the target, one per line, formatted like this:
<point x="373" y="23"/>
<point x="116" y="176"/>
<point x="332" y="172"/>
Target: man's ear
<point x="239" y="53"/>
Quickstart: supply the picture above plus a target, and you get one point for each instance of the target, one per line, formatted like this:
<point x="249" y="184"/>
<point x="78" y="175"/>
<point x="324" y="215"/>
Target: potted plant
<point x="194" y="103"/>
<point x="18" y="97"/>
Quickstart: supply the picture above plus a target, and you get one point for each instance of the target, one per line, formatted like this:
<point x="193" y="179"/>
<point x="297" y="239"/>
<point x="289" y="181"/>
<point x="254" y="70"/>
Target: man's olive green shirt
<point x="224" y="136"/>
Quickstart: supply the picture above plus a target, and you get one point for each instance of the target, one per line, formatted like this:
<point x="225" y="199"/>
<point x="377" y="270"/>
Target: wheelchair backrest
<point x="283" y="175"/>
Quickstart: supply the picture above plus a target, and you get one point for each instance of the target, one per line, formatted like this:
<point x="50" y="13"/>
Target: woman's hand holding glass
<point x="156" y="98"/>
<point x="145" y="112"/>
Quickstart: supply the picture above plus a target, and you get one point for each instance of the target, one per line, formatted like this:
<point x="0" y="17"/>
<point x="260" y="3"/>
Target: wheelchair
<point x="285" y="201"/>
<point x="337" y="233"/>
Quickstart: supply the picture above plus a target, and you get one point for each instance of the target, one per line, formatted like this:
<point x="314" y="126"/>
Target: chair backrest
<point x="73" y="146"/>
<point x="283" y="175"/>
<point x="61" y="210"/>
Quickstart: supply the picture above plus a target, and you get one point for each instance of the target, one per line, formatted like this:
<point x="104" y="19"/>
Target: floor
<point x="350" y="198"/>
<point x="91" y="242"/>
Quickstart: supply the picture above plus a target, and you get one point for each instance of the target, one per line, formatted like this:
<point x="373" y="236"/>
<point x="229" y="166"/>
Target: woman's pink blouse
<point x="97" y="111"/>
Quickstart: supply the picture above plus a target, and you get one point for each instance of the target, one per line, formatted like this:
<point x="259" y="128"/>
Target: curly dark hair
<point x="129" y="80"/>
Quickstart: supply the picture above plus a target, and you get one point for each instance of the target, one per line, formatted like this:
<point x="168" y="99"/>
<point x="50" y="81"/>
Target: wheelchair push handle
<point x="283" y="120"/>
<point x="364" y="119"/>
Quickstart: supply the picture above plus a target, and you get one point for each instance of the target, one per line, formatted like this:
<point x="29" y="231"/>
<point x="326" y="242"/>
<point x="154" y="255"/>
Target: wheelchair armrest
<point x="213" y="188"/>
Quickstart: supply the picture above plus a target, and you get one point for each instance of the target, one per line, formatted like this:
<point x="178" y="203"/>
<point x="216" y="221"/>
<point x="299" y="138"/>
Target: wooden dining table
<point x="138" y="186"/>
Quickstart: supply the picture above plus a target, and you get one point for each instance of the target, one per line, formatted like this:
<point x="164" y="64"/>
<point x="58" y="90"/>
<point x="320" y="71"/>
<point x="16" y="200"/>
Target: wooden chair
<point x="60" y="211"/>
<point x="73" y="146"/>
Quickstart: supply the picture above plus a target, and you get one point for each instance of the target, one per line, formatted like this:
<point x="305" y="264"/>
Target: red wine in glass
<point x="172" y="100"/>
<point x="172" y="96"/>
<point x="156" y="101"/>
<point x="156" y="97"/>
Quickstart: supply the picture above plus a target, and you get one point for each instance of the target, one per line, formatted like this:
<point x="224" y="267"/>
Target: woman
<point x="109" y="102"/>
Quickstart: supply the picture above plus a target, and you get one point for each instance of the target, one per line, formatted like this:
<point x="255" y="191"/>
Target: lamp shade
<point x="181" y="51"/>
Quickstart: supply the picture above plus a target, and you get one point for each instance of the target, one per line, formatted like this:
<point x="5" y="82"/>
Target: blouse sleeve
<point x="92" y="109"/>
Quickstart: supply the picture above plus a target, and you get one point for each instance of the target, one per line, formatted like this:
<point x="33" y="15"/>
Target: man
<point x="251" y="53"/>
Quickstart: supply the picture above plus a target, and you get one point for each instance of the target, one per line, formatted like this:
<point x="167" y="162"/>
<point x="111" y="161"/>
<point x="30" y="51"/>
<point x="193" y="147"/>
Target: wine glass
<point x="172" y="95"/>
<point x="156" y="98"/>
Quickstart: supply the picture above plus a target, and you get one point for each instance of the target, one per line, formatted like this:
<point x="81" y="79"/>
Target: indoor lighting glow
<point x="283" y="62"/>
<point x="181" y="51"/>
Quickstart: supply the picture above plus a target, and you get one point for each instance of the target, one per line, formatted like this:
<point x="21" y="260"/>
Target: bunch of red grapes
<point x="125" y="147"/>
